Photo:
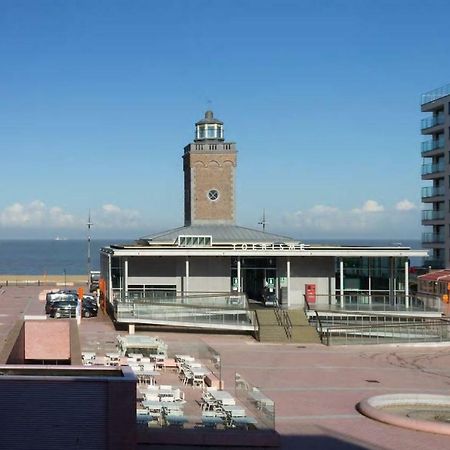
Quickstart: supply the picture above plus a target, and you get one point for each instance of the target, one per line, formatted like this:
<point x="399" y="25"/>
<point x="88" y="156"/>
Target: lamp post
<point x="89" y="224"/>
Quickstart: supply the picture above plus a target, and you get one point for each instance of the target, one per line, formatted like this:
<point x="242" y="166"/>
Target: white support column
<point x="407" y="284"/>
<point x="110" y="291"/>
<point x="125" y="277"/>
<point x="239" y="274"/>
<point x="186" y="277"/>
<point x="370" y="289"/>
<point x="341" y="278"/>
<point x="288" y="276"/>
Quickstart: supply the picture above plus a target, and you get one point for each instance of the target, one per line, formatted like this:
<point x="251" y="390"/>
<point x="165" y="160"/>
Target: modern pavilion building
<point x="436" y="172"/>
<point x="205" y="273"/>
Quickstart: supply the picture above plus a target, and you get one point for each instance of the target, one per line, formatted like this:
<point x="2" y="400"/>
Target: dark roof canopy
<point x="209" y="118"/>
<point x="219" y="234"/>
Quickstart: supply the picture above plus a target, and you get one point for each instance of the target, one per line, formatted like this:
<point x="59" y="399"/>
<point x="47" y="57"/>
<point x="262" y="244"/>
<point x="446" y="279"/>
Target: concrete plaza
<point x="315" y="388"/>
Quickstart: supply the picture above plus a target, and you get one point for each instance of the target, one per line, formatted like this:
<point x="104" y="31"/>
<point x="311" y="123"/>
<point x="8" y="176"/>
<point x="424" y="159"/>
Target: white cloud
<point x="112" y="216"/>
<point x="405" y="205"/>
<point x="370" y="206"/>
<point x="371" y="218"/>
<point x="36" y="214"/>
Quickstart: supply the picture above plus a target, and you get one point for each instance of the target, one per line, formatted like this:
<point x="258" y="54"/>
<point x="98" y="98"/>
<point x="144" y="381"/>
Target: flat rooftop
<point x="315" y="388"/>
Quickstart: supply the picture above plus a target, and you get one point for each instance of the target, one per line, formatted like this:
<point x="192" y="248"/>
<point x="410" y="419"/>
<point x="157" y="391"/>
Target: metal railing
<point x="364" y="301"/>
<point x="431" y="191"/>
<point x="437" y="330"/>
<point x="428" y="169"/>
<point x="435" y="94"/>
<point x="216" y="311"/>
<point x="432" y="121"/>
<point x="429" y="214"/>
<point x="432" y="144"/>
<point x="432" y="237"/>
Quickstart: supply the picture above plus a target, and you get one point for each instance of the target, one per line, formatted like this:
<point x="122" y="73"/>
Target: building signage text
<point x="268" y="247"/>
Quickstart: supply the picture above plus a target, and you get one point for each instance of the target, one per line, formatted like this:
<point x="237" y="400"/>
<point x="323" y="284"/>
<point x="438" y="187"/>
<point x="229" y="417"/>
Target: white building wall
<point x="307" y="270"/>
<point x="156" y="271"/>
<point x="206" y="274"/>
<point x="210" y="274"/>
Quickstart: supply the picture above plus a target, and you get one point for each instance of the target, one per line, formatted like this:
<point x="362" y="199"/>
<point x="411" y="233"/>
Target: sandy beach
<point x="59" y="280"/>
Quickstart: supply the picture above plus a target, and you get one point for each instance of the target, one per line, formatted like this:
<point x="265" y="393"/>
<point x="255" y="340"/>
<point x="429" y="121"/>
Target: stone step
<point x="305" y="335"/>
<point x="298" y="317"/>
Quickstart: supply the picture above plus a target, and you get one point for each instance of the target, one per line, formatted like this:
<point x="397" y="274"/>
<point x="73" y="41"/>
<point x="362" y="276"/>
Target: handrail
<point x="320" y="327"/>
<point x="283" y="321"/>
<point x="350" y="332"/>
<point x="287" y="322"/>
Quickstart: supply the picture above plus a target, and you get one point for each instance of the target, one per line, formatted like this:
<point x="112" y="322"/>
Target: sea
<point x="59" y="256"/>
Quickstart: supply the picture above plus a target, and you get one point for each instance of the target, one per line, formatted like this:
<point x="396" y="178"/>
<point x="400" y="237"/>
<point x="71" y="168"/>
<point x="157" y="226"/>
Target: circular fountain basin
<point x="422" y="412"/>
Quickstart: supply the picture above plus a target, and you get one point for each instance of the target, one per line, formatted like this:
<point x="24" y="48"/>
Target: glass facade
<point x="372" y="274"/>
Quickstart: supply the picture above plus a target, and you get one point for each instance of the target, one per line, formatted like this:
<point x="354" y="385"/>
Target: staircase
<point x="271" y="329"/>
<point x="302" y="332"/>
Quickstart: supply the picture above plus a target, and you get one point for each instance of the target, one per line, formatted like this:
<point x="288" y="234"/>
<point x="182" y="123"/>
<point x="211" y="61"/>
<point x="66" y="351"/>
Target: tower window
<point x="213" y="195"/>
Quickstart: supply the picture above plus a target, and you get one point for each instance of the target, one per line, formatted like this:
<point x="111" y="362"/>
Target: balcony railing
<point x="433" y="144"/>
<point x="431" y="191"/>
<point x="435" y="94"/>
<point x="428" y="169"/>
<point x="429" y="214"/>
<point x="434" y="263"/>
<point x="431" y="122"/>
<point x="431" y="238"/>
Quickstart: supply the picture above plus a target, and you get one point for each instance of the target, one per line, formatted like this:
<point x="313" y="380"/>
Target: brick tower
<point x="209" y="165"/>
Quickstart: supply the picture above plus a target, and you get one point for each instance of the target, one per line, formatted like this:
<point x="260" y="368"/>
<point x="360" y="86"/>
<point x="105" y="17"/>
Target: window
<point x="194" y="241"/>
<point x="213" y="195"/>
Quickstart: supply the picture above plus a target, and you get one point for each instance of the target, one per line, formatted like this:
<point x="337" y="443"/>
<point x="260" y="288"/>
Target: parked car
<point x="94" y="279"/>
<point x="68" y="308"/>
<point x="63" y="308"/>
<point x="58" y="296"/>
<point x="89" y="306"/>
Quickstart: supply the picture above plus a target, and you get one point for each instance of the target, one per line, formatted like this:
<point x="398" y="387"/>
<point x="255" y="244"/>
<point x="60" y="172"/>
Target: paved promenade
<point x="315" y="387"/>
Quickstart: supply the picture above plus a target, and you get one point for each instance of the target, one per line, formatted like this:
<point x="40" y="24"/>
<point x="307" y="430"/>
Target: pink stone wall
<point x="47" y="340"/>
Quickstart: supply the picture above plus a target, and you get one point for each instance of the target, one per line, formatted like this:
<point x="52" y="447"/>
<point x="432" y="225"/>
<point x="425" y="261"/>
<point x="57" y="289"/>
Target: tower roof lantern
<point x="209" y="128"/>
<point x="209" y="119"/>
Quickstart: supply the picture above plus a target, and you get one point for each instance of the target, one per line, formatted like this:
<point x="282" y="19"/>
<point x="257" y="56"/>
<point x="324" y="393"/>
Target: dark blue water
<point x="40" y="257"/>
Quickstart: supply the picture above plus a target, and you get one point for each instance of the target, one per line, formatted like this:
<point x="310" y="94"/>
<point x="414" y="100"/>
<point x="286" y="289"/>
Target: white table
<point x="223" y="397"/>
<point x="234" y="410"/>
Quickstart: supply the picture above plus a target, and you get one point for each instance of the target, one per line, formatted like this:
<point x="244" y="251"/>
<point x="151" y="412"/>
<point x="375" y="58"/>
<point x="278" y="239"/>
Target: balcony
<point x="431" y="122"/>
<point x="428" y="169"/>
<point x="434" y="263"/>
<point x="433" y="144"/>
<point x="432" y="238"/>
<point x="430" y="191"/>
<point x="429" y="214"/>
<point x="435" y="94"/>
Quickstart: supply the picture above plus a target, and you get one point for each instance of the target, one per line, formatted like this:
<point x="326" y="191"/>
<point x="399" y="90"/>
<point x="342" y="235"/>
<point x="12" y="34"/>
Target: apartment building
<point x="436" y="174"/>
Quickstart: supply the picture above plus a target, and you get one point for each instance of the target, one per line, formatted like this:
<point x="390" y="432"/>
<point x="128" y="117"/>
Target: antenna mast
<point x="263" y="221"/>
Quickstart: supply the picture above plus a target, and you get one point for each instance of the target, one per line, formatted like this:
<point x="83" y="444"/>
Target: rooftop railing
<point x="435" y="94"/>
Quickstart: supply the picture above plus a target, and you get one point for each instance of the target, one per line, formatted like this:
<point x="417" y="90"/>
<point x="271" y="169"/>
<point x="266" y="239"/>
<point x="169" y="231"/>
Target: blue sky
<point x="98" y="99"/>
